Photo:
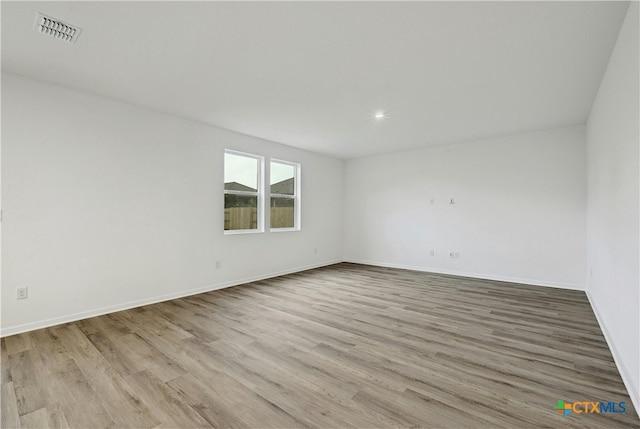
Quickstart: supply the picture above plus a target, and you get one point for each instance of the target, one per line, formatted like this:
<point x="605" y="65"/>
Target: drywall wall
<point x="613" y="219"/>
<point x="107" y="205"/>
<point x="518" y="212"/>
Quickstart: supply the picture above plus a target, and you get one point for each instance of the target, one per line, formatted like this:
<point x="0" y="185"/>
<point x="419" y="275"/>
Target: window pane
<point x="282" y="178"/>
<point x="240" y="173"/>
<point x="240" y="212"/>
<point x="282" y="212"/>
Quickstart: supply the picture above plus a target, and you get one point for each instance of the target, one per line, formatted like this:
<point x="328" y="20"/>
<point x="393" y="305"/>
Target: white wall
<point x="519" y="212"/>
<point x="613" y="204"/>
<point x="108" y="205"/>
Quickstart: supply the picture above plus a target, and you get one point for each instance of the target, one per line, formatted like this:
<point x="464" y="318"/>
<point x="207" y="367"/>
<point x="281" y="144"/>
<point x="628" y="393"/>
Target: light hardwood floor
<point x="337" y="347"/>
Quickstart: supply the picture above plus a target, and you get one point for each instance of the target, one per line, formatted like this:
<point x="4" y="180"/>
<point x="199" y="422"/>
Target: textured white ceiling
<point x="311" y="74"/>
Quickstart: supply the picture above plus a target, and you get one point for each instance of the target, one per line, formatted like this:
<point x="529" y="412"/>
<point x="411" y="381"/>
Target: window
<point x="284" y="197"/>
<point x="245" y="194"/>
<point x="242" y="192"/>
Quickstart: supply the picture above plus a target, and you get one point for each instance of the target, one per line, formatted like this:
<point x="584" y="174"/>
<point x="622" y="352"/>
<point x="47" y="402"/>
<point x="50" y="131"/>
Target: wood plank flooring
<point x="337" y="347"/>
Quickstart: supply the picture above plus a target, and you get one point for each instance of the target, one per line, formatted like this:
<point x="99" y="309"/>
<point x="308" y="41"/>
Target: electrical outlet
<point x="454" y="255"/>
<point x="452" y="200"/>
<point x="315" y="250"/>
<point x="432" y="252"/>
<point x="23" y="292"/>
<point x="217" y="265"/>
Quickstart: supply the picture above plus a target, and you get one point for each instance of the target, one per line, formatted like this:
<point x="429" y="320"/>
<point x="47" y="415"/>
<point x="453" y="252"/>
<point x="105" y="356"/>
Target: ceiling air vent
<point x="57" y="29"/>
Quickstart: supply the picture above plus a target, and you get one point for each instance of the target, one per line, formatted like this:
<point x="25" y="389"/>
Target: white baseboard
<point x="626" y="378"/>
<point x="18" y="329"/>
<point x="533" y="282"/>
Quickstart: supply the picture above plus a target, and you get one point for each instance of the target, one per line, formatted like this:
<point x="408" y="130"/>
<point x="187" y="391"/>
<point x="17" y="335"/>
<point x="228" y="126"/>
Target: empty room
<point x="320" y="214"/>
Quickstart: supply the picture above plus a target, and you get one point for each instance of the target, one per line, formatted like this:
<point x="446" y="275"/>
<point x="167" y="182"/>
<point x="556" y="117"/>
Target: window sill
<point x="242" y="231"/>
<point x="283" y="229"/>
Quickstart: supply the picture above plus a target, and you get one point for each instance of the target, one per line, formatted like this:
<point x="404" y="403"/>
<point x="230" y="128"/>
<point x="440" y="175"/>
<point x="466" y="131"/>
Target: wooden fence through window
<point x="247" y="218"/>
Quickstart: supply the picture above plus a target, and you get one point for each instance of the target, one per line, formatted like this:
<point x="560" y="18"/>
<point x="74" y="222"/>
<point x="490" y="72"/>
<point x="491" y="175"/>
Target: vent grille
<point x="57" y="29"/>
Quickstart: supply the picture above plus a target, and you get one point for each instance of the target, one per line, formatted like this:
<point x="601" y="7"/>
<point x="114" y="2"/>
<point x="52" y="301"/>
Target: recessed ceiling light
<point x="379" y="115"/>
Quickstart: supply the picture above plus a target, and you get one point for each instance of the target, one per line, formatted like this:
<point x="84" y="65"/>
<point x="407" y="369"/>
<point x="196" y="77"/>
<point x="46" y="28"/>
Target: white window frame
<point x="260" y="194"/>
<point x="295" y="197"/>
